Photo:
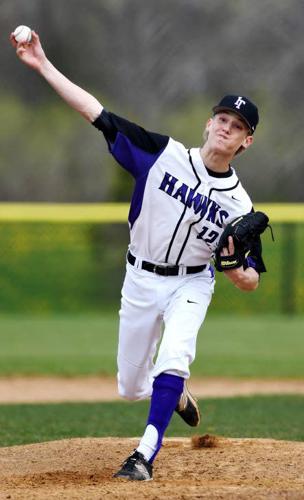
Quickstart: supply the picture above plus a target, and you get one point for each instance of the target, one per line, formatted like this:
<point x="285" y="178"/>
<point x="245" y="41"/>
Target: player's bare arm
<point x="33" y="55"/>
<point x="246" y="280"/>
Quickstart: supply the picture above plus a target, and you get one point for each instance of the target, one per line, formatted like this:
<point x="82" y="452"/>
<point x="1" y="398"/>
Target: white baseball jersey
<point x="179" y="207"/>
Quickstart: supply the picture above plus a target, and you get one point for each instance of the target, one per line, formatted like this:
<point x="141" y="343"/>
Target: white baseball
<point x="23" y="34"/>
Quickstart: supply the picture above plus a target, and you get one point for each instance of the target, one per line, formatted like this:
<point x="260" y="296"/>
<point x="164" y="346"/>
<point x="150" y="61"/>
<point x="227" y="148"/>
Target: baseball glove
<point x="244" y="231"/>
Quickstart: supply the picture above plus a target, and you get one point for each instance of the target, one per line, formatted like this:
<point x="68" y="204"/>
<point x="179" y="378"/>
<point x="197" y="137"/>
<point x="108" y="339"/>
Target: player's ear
<point x="247" y="141"/>
<point x="208" y="124"/>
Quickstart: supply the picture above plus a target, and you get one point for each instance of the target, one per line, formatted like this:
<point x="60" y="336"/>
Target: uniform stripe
<point x="199" y="220"/>
<point x="184" y="211"/>
<point x="224" y="189"/>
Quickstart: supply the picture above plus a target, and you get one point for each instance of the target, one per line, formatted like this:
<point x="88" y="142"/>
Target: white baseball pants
<point x="154" y="308"/>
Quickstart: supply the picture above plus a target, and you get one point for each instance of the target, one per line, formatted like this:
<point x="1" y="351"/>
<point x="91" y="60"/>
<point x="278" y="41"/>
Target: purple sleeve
<point x="132" y="146"/>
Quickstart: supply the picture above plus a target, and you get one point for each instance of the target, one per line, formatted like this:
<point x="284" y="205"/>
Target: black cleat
<point x="135" y="468"/>
<point x="188" y="409"/>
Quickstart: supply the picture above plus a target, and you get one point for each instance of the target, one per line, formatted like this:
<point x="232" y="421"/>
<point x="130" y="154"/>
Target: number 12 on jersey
<point x="207" y="235"/>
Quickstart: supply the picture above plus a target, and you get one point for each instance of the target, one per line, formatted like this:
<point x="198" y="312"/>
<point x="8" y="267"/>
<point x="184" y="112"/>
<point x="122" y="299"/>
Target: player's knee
<point x="128" y="397"/>
<point x="132" y="392"/>
<point x="125" y="392"/>
<point x="129" y="393"/>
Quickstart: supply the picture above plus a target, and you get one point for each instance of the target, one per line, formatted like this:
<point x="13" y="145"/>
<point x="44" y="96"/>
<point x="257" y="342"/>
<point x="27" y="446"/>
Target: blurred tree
<point x="163" y="64"/>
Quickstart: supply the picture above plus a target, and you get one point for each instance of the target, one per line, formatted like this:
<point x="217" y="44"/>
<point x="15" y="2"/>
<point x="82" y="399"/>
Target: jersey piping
<point x="184" y="211"/>
<point x="201" y="218"/>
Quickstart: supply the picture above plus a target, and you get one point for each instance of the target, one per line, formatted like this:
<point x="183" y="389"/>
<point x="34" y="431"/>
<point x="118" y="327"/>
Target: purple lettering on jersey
<point x="189" y="197"/>
<point x="222" y="215"/>
<point x="194" y="199"/>
<point x="199" y="202"/>
<point x="204" y="206"/>
<point x="168" y="183"/>
<point x="181" y="193"/>
<point x="214" y="208"/>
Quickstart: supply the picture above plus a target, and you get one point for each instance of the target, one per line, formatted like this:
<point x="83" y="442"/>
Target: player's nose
<point x="227" y="126"/>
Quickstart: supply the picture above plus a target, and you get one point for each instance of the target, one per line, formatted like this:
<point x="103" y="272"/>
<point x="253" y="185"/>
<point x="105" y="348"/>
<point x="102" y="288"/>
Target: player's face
<point x="227" y="133"/>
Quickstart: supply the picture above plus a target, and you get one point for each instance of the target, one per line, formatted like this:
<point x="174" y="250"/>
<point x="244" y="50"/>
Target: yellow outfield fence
<point x="71" y="258"/>
<point x="64" y="212"/>
<point x="117" y="212"/>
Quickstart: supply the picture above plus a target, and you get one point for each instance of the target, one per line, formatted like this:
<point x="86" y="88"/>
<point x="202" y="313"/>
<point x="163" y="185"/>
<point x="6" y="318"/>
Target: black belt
<point x="163" y="269"/>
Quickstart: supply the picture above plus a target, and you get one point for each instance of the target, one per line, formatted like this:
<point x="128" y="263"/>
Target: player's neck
<point x="215" y="161"/>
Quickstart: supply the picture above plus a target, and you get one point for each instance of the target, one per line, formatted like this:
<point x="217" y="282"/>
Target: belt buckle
<point x="160" y="269"/>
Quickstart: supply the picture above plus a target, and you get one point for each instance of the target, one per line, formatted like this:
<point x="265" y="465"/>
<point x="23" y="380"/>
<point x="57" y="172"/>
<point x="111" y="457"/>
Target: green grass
<point x="277" y="417"/>
<point x="63" y="345"/>
<point x="53" y="268"/>
<point x="251" y="347"/>
<point x="264" y="346"/>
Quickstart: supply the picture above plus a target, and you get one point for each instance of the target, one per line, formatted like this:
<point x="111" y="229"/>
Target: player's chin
<point x="223" y="147"/>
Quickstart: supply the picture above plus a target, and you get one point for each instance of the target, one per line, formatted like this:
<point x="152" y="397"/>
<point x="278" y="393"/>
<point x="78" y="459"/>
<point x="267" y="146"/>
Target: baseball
<point x="23" y="34"/>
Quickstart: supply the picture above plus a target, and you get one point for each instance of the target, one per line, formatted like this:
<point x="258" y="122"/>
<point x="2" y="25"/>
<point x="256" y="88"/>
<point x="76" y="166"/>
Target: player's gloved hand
<point x="243" y="230"/>
<point x="246" y="279"/>
<point x="230" y="257"/>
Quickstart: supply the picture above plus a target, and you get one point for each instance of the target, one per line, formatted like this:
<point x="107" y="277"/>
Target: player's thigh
<point x="140" y="320"/>
<point x="183" y="317"/>
<point x="139" y="333"/>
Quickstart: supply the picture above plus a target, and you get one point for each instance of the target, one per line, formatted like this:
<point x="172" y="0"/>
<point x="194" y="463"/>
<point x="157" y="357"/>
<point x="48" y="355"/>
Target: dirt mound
<point x="82" y="469"/>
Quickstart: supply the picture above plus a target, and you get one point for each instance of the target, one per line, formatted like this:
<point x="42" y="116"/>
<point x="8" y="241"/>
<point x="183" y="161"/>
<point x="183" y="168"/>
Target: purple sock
<point x="165" y="396"/>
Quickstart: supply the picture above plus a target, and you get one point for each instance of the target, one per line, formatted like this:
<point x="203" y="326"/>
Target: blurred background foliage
<point x="162" y="64"/>
<point x="50" y="268"/>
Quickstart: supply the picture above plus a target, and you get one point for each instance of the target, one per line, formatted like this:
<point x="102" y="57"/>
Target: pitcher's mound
<point x="82" y="469"/>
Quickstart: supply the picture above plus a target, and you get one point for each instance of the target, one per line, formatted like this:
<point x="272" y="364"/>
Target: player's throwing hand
<point x="31" y="54"/>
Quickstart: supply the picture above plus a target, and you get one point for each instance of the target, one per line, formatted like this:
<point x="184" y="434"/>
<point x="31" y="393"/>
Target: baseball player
<point x="183" y="199"/>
